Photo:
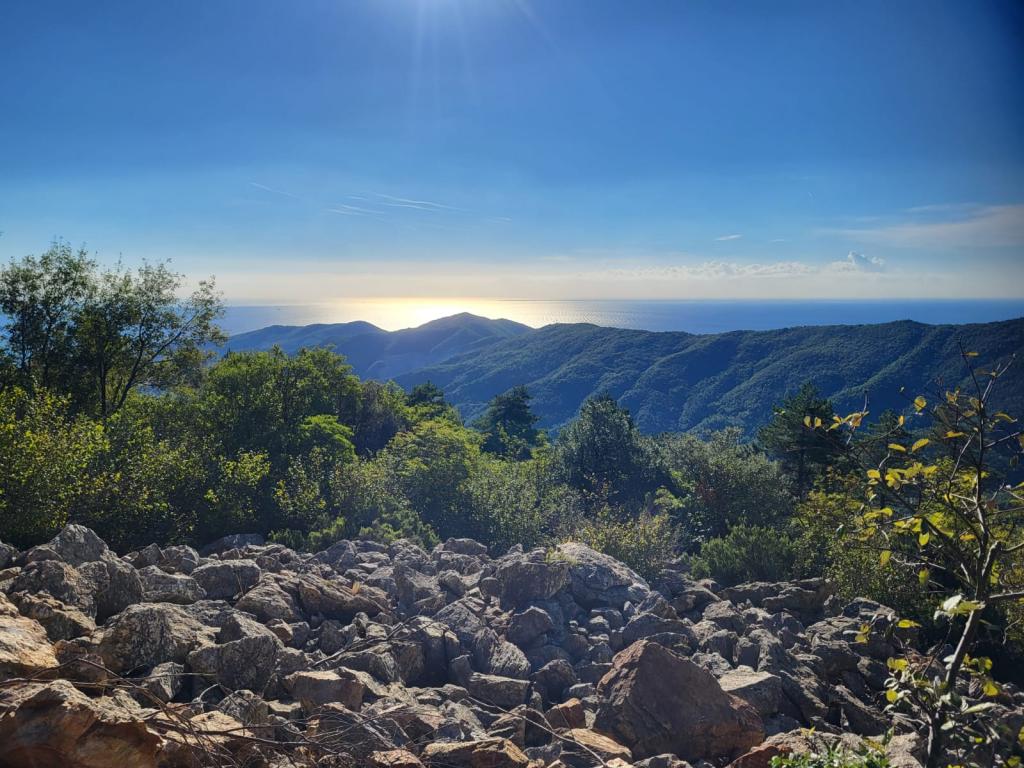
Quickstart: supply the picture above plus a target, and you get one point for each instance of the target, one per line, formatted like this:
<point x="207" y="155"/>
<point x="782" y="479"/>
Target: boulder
<point x="148" y="634"/>
<point x="597" y="580"/>
<point x="234" y="541"/>
<point x="268" y="600"/>
<point x="59" y="580"/>
<point x="761" y="690"/>
<point x="525" y="579"/>
<point x="317" y="688"/>
<point x="336" y="601"/>
<point x="25" y="649"/>
<point x="114" y="584"/>
<point x="655" y="701"/>
<point x="158" y="586"/>
<point x="53" y="725"/>
<point x="74" y="545"/>
<point x="487" y="753"/>
<point x="223" y="580"/>
<point x="62" y="622"/>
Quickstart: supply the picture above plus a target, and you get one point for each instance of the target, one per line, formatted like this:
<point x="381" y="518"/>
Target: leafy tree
<point x="509" y="426"/>
<point x="603" y="453"/>
<point x="45" y="454"/>
<point x="793" y="438"/>
<point x="727" y="483"/>
<point x="646" y="542"/>
<point x="959" y="524"/>
<point x="381" y="414"/>
<point x="41" y="299"/>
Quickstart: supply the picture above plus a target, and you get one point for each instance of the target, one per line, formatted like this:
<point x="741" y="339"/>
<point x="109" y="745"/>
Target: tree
<point x="41" y="299"/>
<point x="101" y="334"/>
<point x="602" y="452"/>
<point x="955" y="519"/>
<point x="792" y="438"/>
<point x="727" y="483"/>
<point x="509" y="426"/>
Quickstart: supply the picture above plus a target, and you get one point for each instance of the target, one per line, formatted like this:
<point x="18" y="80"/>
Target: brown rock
<point x="336" y="601"/>
<point x="395" y="758"/>
<point x="24" y="647"/>
<point x="596" y="743"/>
<point x="314" y="689"/>
<point x="568" y="714"/>
<point x="53" y="725"/>
<point x="487" y="753"/>
<point x="654" y="701"/>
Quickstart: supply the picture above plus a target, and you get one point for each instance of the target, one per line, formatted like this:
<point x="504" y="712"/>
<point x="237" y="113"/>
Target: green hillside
<point x="681" y="381"/>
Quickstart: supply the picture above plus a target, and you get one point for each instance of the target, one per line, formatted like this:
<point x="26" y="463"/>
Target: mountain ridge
<point x="674" y="380"/>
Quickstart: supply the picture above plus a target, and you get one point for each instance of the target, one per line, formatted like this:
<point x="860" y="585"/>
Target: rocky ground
<point x="369" y="655"/>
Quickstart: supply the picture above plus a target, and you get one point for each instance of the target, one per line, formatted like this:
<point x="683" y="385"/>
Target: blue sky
<point x="516" y="148"/>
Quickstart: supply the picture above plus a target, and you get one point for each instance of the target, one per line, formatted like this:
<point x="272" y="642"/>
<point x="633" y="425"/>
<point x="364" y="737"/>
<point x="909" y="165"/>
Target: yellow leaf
<point x="901" y="420"/>
<point x="897" y="447"/>
<point x="906" y="624"/>
<point x="951" y="434"/>
<point x="817" y="422"/>
<point x="990" y="688"/>
<point x="919" y="444"/>
<point x="922" y="576"/>
<point x="891" y="696"/>
<point x="920" y="403"/>
<point x="922" y="539"/>
<point x="874" y="474"/>
<point x="971" y="354"/>
<point x="883" y="558"/>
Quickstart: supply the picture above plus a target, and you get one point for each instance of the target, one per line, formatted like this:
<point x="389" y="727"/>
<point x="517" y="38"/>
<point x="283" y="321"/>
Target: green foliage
<point x="509" y="426"/>
<point x="400" y="523"/>
<point x="100" y="334"/>
<point x="835" y="756"/>
<point x="746" y="553"/>
<point x="794" y="437"/>
<point x="646" y="543"/>
<point x="45" y="454"/>
<point x="602" y="452"/>
<point x="726" y="482"/>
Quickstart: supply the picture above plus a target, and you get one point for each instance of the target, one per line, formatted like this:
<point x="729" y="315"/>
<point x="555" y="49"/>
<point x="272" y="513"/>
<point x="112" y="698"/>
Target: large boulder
<point x="333" y="600"/>
<point x="148" y="634"/>
<point x="654" y="701"/>
<point x="53" y="725"/>
<point x="158" y="586"/>
<point x="597" y="580"/>
<point x="314" y="689"/>
<point x="24" y="647"/>
<point x="74" y="545"/>
<point x="59" y="580"/>
<point x="268" y="600"/>
<point x="113" y="582"/>
<point x="529" y="578"/>
<point x="487" y="753"/>
<point x="62" y="622"/>
<point x="225" y="579"/>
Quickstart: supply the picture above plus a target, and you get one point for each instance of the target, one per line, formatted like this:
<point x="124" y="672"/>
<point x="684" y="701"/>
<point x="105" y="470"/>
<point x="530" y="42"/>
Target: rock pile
<point x="250" y="654"/>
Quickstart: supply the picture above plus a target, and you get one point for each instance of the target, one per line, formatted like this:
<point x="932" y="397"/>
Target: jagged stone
<point x="225" y="579"/>
<point x="158" y="586"/>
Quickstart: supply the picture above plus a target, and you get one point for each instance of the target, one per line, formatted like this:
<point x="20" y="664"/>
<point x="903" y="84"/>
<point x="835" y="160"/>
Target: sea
<point x="655" y="315"/>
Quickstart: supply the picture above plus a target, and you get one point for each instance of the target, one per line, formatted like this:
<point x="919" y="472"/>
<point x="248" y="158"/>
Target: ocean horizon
<point x="691" y="316"/>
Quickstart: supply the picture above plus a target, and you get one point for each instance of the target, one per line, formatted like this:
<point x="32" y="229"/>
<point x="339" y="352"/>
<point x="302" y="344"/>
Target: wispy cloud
<point x="728" y="237"/>
<point x="343" y="209"/>
<point x="947" y="226"/>
<point x="405" y="202"/>
<point x="265" y="188"/>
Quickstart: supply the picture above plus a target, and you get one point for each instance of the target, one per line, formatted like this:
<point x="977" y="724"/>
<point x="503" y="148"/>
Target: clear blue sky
<point x="519" y="148"/>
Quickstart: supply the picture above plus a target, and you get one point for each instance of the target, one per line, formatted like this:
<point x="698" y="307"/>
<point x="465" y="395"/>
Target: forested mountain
<point x="668" y="381"/>
<point x="376" y="353"/>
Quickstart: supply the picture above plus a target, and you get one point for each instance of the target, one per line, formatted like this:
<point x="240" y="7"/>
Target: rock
<point x="654" y="701"/>
<point x="53" y="725"/>
<point x="234" y="541"/>
<point x="114" y="584"/>
<point x="179" y="559"/>
<point x="148" y="634"/>
<point x="315" y="689"/>
<point x="158" y="586"/>
<point x="76" y="545"/>
<point x="59" y="580"/>
<point x="487" y="753"/>
<point x="336" y="601"/>
<point x="163" y="683"/>
<point x="568" y="714"/>
<point x="247" y="662"/>
<point x="597" y="580"/>
<point x="394" y="758"/>
<point x="761" y="690"/>
<point x="268" y="600"/>
<point x="7" y="554"/>
<point x="62" y="622"/>
<point x="589" y="743"/>
<point x="525" y="579"/>
<point x="527" y="626"/>
<point x="25" y="649"/>
<point x="224" y="579"/>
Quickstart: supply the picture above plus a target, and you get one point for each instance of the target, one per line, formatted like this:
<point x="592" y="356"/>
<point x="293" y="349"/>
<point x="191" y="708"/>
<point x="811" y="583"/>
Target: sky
<point x="564" y="149"/>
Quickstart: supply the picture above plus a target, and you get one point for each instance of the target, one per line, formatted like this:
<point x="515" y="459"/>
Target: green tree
<point x="509" y="426"/>
<point x="727" y="483"/>
<point x="746" y="553"/>
<point x="603" y="454"/>
<point x="794" y="439"/>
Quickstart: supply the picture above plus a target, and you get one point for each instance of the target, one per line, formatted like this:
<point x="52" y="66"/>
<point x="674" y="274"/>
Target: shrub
<point x="746" y="553"/>
<point x="832" y="757"/>
<point x="646" y="543"/>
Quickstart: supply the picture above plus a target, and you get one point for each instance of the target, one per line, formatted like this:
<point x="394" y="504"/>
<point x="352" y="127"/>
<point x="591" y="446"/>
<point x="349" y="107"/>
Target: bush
<point x="400" y="523"/>
<point x="746" y="553"/>
<point x="646" y="543"/>
<point x="832" y="757"/>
